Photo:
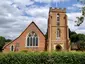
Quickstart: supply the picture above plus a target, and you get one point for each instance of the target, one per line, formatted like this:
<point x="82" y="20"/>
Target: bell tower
<point x="58" y="35"/>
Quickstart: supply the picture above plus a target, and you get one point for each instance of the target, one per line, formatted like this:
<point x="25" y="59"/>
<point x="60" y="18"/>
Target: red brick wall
<point x="22" y="40"/>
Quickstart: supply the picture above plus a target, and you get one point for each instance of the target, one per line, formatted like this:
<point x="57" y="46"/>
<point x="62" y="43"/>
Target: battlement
<point x="62" y="10"/>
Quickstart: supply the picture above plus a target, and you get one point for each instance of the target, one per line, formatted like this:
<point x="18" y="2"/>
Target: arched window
<point x="58" y="19"/>
<point x="32" y="39"/>
<point x="58" y="33"/>
<point x="12" y="48"/>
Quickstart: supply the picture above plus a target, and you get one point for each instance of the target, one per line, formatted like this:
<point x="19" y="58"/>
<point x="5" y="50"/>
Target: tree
<point x="81" y="37"/>
<point x="81" y="18"/>
<point x="2" y="42"/>
<point x="8" y="40"/>
<point x="81" y="45"/>
<point x="73" y="36"/>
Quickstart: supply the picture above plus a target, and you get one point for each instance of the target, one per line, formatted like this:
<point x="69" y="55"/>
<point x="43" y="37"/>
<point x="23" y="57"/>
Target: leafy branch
<point x="80" y="19"/>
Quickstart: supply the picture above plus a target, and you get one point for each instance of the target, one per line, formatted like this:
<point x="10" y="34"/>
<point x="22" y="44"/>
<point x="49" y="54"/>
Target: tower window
<point x="32" y="39"/>
<point x="58" y="19"/>
<point x="58" y="33"/>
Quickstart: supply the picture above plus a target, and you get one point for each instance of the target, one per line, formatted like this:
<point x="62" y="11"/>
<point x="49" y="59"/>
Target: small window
<point x="58" y="19"/>
<point x="58" y="33"/>
<point x="12" y="48"/>
<point x="36" y="41"/>
<point x="28" y="40"/>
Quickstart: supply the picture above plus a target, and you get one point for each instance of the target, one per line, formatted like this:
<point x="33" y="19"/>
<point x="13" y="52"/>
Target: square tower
<point x="58" y="35"/>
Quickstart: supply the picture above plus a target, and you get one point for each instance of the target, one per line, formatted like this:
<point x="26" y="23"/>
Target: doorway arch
<point x="58" y="48"/>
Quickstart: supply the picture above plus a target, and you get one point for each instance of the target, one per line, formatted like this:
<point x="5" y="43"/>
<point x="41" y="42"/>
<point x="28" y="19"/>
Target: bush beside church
<point x="43" y="58"/>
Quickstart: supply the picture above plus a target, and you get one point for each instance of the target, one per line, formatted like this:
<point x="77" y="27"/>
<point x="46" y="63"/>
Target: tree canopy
<point x="74" y="37"/>
<point x="78" y="39"/>
<point x="3" y="41"/>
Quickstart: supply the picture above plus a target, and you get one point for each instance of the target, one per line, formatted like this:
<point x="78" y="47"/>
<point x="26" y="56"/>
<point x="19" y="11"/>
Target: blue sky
<point x="16" y="15"/>
<point x="71" y="5"/>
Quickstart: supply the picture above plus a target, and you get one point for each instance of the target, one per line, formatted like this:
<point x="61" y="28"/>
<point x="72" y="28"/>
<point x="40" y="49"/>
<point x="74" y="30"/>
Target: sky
<point x="16" y="15"/>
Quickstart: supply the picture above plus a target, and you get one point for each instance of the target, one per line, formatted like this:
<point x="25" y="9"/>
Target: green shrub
<point x="25" y="51"/>
<point x="43" y="58"/>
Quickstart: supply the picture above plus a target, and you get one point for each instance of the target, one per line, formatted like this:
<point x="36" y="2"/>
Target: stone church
<point x="32" y="38"/>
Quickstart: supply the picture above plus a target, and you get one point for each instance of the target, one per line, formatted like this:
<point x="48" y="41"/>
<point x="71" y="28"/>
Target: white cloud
<point x="78" y="5"/>
<point x="49" y="1"/>
<point x="12" y="21"/>
<point x="71" y="8"/>
<point x="81" y="31"/>
<point x="23" y="2"/>
<point x="38" y="11"/>
<point x="10" y="16"/>
<point x="71" y="23"/>
<point x="72" y="19"/>
<point x="75" y="7"/>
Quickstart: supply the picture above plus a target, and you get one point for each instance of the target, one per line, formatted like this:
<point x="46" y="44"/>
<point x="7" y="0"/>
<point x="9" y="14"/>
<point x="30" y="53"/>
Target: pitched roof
<point x="22" y="33"/>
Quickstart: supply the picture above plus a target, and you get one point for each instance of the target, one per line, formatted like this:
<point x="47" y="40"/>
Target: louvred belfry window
<point x="58" y="19"/>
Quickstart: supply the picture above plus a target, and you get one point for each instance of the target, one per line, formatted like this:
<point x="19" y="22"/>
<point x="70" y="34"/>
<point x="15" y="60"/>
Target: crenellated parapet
<point x="62" y="10"/>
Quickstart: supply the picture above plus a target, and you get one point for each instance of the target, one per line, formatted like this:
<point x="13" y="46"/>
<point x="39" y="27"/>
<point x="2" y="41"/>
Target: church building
<point x="33" y="39"/>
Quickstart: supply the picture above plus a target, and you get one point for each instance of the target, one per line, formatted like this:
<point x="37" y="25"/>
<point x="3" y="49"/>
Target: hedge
<point x="43" y="58"/>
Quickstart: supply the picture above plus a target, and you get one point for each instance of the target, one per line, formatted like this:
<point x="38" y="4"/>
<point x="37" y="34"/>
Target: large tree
<point x="2" y="42"/>
<point x="81" y="45"/>
<point x="74" y="37"/>
<point x="8" y="40"/>
<point x="79" y="39"/>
